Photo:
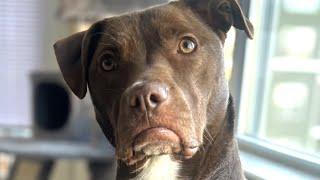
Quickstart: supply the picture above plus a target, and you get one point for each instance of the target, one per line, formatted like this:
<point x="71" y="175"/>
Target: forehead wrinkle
<point x="121" y="33"/>
<point x="172" y="21"/>
<point x="167" y="21"/>
<point x="146" y="30"/>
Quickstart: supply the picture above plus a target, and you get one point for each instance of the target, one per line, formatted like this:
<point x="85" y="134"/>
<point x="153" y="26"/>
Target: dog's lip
<point x="161" y="133"/>
<point x="190" y="151"/>
<point x="180" y="145"/>
<point x="168" y="136"/>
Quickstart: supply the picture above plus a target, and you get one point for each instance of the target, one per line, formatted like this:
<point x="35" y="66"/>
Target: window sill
<point x="258" y="165"/>
<point x="257" y="168"/>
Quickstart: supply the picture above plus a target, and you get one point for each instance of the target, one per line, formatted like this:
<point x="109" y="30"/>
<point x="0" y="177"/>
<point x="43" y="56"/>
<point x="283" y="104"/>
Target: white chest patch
<point x="159" y="168"/>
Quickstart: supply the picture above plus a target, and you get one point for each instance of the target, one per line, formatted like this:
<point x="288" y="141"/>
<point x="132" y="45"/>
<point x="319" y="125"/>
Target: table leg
<point x="102" y="170"/>
<point x="23" y="169"/>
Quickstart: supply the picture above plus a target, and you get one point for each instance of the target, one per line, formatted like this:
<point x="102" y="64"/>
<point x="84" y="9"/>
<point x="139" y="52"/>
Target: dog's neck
<point x="217" y="158"/>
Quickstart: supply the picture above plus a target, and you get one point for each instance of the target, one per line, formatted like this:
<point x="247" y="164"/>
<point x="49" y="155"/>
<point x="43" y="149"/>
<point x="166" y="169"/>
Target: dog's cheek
<point x="103" y="99"/>
<point x="202" y="120"/>
<point x="198" y="108"/>
<point x="209" y="78"/>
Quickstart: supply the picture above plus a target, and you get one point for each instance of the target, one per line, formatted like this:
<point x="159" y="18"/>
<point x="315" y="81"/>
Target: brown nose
<point x="147" y="96"/>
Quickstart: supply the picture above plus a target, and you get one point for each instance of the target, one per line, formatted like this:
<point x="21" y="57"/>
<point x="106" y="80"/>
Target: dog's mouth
<point x="159" y="141"/>
<point x="156" y="141"/>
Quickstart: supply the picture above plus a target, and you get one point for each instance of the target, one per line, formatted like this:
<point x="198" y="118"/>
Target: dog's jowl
<point x="157" y="83"/>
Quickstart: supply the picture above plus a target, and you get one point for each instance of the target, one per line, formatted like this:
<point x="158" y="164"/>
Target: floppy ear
<point x="222" y="14"/>
<point x="73" y="54"/>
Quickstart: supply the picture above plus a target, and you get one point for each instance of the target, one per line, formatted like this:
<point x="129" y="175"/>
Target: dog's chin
<point x="158" y="141"/>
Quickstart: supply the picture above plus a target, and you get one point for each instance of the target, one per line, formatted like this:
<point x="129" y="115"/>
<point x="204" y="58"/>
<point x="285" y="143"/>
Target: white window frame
<point x="276" y="158"/>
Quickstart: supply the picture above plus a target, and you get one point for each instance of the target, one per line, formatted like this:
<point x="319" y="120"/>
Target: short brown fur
<point x="195" y="103"/>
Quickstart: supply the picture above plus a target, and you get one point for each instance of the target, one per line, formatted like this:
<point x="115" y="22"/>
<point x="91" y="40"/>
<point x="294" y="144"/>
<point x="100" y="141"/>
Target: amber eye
<point x="108" y="63"/>
<point x="187" y="45"/>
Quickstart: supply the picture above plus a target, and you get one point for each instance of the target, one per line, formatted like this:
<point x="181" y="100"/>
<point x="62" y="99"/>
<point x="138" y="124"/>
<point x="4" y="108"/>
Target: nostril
<point x="147" y="97"/>
<point x="154" y="99"/>
<point x="157" y="98"/>
<point x="135" y="102"/>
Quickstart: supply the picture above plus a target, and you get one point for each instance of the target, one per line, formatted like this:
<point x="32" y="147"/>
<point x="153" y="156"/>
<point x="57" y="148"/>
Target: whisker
<point x="208" y="136"/>
<point x="202" y="149"/>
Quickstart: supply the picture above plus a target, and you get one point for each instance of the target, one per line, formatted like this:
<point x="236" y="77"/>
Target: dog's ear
<point x="222" y="14"/>
<point x="73" y="54"/>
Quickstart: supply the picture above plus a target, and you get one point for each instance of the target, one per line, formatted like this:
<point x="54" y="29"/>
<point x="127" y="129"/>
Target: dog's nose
<point x="147" y="96"/>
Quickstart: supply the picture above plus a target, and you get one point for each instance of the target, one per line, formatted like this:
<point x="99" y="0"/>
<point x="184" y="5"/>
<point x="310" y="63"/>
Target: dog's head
<point x="156" y="77"/>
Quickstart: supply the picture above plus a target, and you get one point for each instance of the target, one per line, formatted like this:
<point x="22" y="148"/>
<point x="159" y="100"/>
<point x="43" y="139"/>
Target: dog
<point x="157" y="83"/>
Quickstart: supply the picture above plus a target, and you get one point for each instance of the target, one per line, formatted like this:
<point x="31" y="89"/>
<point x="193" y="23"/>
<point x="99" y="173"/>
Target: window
<point x="20" y="54"/>
<point x="228" y="52"/>
<point x="280" y="92"/>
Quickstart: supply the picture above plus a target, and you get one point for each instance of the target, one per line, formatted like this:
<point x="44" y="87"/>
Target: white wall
<point x="53" y="30"/>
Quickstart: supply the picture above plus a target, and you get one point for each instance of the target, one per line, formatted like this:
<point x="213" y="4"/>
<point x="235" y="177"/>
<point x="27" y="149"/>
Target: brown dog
<point x="157" y="82"/>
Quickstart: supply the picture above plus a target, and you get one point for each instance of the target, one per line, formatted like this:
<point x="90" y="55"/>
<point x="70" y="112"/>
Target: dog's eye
<point x="187" y="45"/>
<point x="108" y="63"/>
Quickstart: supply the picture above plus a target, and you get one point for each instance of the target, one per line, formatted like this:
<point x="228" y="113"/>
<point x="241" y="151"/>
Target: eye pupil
<point x="108" y="64"/>
<point x="187" y="46"/>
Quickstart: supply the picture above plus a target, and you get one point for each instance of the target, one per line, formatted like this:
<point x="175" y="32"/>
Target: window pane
<point x="281" y="91"/>
<point x="228" y="52"/>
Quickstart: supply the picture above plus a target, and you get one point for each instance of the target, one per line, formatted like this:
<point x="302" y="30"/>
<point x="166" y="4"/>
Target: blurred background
<point x="47" y="133"/>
